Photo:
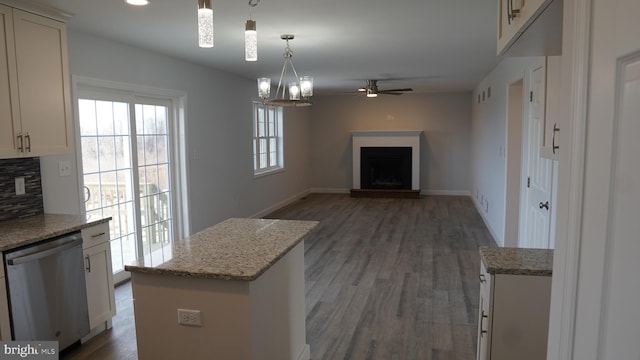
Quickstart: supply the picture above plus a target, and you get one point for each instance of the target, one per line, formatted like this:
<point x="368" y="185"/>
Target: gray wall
<point x="489" y="139"/>
<point x="445" y="119"/>
<point x="218" y="116"/>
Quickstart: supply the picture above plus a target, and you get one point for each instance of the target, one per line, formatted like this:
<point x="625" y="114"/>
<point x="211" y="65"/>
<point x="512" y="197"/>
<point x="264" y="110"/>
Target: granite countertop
<point x="31" y="229"/>
<point x="517" y="261"/>
<point x="235" y="249"/>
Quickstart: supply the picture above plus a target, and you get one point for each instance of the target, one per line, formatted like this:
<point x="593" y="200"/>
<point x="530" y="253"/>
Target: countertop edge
<point x="517" y="261"/>
<point x="78" y="226"/>
<point x="210" y="275"/>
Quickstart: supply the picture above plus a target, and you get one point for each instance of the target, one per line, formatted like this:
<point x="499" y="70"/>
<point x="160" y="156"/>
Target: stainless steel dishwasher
<point x="47" y="291"/>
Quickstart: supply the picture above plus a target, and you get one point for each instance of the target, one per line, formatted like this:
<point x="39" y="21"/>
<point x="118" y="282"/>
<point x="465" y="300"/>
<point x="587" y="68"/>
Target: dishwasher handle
<point x="43" y="254"/>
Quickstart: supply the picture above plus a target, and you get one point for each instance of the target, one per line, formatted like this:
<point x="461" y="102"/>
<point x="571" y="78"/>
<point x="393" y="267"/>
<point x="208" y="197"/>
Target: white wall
<point x="218" y="116"/>
<point x="445" y="119"/>
<point x="489" y="141"/>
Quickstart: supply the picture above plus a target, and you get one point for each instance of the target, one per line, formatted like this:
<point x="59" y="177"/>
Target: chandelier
<point x="300" y="89"/>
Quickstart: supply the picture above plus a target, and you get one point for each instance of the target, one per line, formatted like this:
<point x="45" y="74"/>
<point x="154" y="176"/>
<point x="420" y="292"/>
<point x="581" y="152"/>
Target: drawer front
<point x="486" y="280"/>
<point x="95" y="235"/>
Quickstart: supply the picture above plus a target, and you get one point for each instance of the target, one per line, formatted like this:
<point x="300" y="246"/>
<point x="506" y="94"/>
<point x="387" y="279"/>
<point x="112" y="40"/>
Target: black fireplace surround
<point x="385" y="168"/>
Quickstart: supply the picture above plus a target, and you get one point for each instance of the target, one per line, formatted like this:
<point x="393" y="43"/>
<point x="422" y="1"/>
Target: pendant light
<point x="300" y="89"/>
<point x="205" y="24"/>
<point x="251" y="36"/>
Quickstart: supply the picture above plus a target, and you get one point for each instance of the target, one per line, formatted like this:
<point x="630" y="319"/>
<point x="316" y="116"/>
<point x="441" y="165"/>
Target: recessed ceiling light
<point x="137" y="2"/>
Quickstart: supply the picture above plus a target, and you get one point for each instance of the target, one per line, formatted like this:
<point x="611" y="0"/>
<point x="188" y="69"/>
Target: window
<point x="267" y="138"/>
<point x="127" y="148"/>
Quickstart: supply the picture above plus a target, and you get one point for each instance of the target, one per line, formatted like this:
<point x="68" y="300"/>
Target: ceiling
<point x="429" y="45"/>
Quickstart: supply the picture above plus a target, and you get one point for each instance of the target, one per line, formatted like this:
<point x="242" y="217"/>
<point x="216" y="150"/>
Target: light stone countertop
<point x="517" y="261"/>
<point x="235" y="249"/>
<point x="31" y="229"/>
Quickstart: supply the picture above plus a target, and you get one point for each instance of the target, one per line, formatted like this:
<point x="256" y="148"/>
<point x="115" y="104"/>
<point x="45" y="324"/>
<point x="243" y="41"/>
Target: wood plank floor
<point x="385" y="279"/>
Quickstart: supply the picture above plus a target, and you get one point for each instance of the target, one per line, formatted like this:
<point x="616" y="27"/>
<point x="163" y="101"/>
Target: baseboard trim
<point x="280" y="205"/>
<point x="329" y="191"/>
<point x="446" y="192"/>
<point x="486" y="222"/>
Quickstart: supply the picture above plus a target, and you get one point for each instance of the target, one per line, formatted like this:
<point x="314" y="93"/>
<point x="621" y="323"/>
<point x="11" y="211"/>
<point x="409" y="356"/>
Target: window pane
<point x="89" y="148"/>
<point x="162" y="144"/>
<point x="123" y="160"/>
<point x="107" y="153"/>
<point x="104" y="114"/>
<point x="87" y="114"/>
<point x="121" y="118"/>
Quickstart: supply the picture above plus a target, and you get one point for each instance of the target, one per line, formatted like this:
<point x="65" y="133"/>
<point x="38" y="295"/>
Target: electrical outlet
<point x="189" y="317"/>
<point x="20" y="189"/>
<point x="64" y="167"/>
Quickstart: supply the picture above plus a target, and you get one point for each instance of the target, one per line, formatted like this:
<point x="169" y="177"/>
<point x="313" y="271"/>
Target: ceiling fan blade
<point x="395" y="90"/>
<point x="389" y="93"/>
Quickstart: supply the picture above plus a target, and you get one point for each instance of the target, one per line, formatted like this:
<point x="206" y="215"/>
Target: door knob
<point x="544" y="205"/>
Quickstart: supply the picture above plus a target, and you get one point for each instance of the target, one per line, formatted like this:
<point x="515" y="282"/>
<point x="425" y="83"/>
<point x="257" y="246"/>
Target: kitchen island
<point x="241" y="283"/>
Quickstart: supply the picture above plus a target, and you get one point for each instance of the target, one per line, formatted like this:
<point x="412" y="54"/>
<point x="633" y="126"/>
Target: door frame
<point x="178" y="141"/>
<point x="575" y="70"/>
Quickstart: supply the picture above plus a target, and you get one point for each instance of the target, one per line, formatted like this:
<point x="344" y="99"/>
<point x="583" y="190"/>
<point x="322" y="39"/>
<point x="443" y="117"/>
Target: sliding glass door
<point x="127" y="173"/>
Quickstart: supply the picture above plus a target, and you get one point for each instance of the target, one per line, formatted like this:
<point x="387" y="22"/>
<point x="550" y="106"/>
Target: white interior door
<point x="538" y="171"/>
<point x="607" y="315"/>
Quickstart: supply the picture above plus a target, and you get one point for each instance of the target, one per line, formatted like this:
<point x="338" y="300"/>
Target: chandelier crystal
<point x="299" y="90"/>
<point x="251" y="36"/>
<point x="205" y="24"/>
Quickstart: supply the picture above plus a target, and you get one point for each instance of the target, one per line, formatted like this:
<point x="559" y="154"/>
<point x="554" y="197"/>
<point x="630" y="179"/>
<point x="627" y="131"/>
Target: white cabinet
<point x="513" y="316"/>
<point x="529" y="27"/>
<point x="98" y="275"/>
<point x="35" y="106"/>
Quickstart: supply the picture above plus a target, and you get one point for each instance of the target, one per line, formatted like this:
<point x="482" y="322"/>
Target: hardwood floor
<point x="385" y="279"/>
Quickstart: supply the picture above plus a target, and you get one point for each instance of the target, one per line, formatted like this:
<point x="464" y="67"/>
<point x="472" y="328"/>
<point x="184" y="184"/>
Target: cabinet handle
<point x="88" y="261"/>
<point x="482" y="279"/>
<point x="97" y="235"/>
<point x="554" y="147"/>
<point x="28" y="148"/>
<point x="482" y="331"/>
<point x="512" y="13"/>
<point x="21" y="140"/>
<point x="544" y="205"/>
<point x="509" y="12"/>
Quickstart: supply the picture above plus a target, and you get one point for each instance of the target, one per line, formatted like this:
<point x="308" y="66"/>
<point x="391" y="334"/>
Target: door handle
<point x="554" y="147"/>
<point x="544" y="205"/>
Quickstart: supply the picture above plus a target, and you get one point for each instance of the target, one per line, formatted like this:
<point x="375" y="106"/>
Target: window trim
<point x="279" y="137"/>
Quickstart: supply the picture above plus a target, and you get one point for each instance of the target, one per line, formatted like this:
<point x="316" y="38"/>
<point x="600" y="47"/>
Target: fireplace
<point x="385" y="168"/>
<point x="386" y="163"/>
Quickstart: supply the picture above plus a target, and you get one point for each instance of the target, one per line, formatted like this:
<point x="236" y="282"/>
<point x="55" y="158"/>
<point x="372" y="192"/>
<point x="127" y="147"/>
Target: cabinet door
<point x="527" y="10"/>
<point x="484" y="328"/>
<point x="9" y="116"/>
<point x="507" y="27"/>
<point x="43" y="93"/>
<point x="99" y="278"/>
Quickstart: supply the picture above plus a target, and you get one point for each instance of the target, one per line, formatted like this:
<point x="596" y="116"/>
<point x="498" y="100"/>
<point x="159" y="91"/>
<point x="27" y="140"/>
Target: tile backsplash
<point x="13" y="206"/>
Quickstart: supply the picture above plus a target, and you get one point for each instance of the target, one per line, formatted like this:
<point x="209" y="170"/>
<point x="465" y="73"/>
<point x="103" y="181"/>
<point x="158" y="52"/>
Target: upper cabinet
<point x="35" y="112"/>
<point x="529" y="27"/>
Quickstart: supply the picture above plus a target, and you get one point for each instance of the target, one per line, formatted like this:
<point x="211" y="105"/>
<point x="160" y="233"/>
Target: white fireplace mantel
<point x="409" y="138"/>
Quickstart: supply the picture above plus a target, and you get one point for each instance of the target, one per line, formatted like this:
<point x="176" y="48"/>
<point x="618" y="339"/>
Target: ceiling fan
<point x="372" y="89"/>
